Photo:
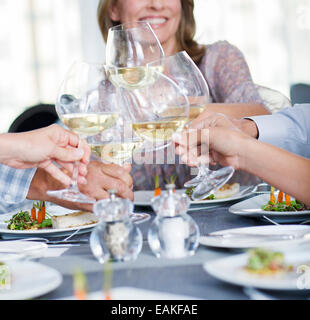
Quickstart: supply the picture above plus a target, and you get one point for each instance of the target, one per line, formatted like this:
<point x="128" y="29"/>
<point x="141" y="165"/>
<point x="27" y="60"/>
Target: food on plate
<point x="157" y="190"/>
<point x="24" y="221"/>
<point x="5" y="276"/>
<point x="295" y="205"/>
<point x="72" y="220"/>
<point x="286" y="205"/>
<point x="266" y="262"/>
<point x="226" y="191"/>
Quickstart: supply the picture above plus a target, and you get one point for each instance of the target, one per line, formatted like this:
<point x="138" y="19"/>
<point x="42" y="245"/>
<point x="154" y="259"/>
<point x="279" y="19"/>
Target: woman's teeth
<point x="155" y="20"/>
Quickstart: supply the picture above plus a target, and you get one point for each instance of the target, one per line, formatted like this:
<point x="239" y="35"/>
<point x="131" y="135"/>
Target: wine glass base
<point x="69" y="195"/>
<point x="194" y="182"/>
<point x="211" y="182"/>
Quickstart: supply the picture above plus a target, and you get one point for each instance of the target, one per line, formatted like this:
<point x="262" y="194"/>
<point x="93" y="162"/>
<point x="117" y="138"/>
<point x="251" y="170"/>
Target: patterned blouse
<point x="228" y="76"/>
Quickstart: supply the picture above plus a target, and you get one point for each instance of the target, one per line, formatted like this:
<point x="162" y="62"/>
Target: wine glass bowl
<point x="159" y="110"/>
<point x="129" y="48"/>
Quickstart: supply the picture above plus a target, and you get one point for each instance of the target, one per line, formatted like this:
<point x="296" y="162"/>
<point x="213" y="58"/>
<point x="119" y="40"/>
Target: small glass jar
<point x="173" y="233"/>
<point x="115" y="237"/>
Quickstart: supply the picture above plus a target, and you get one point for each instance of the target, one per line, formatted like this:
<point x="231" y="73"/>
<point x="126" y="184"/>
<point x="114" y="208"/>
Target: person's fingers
<point x="87" y="151"/>
<point x="190" y="138"/>
<point x="118" y="172"/>
<point x="212" y="120"/>
<point x="100" y="180"/>
<point x="67" y="154"/>
<point x="127" y="167"/>
<point x="56" y="172"/>
<point x="81" y="180"/>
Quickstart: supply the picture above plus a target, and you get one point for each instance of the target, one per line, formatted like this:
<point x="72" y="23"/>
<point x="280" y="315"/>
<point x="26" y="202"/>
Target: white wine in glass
<point x="159" y="110"/>
<point x="89" y="124"/>
<point x="117" y="152"/>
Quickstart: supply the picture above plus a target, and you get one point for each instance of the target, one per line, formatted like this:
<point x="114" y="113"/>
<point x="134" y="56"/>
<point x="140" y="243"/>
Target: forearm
<point x="239" y="110"/>
<point x="9" y="146"/>
<point x="286" y="171"/>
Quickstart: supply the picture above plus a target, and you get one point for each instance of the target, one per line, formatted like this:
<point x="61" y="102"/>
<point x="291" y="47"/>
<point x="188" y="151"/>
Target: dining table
<point x="182" y="277"/>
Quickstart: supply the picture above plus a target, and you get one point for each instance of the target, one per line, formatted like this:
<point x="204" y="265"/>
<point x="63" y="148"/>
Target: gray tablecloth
<point x="177" y="276"/>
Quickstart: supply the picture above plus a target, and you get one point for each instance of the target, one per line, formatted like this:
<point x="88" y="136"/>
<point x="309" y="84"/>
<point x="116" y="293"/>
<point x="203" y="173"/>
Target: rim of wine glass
<point x="161" y="62"/>
<point x="100" y="65"/>
<point x="120" y="27"/>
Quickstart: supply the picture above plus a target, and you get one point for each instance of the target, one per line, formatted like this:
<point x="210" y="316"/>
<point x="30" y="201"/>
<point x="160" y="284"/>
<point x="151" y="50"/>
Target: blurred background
<point x="39" y="39"/>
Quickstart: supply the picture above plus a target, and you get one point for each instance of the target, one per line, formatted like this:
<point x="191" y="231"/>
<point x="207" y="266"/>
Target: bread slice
<point x="72" y="220"/>
<point x="228" y="190"/>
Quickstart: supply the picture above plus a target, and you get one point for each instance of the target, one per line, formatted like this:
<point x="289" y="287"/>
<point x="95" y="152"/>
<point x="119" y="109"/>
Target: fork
<point x="255" y="294"/>
<point x="48" y="241"/>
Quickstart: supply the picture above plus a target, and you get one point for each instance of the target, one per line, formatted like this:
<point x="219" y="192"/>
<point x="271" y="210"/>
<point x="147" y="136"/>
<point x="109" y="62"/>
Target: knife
<point x="260" y="236"/>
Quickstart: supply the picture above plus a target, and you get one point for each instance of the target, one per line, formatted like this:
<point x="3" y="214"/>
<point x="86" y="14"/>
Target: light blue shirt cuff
<point x="288" y="129"/>
<point x="14" y="184"/>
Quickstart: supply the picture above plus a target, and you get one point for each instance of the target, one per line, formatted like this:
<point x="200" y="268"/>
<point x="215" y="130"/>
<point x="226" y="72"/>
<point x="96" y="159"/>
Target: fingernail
<point x="82" y="180"/>
<point x="79" y="153"/>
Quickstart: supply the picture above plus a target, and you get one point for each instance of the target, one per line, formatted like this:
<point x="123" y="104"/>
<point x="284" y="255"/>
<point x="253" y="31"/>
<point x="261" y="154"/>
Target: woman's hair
<point x="185" y="34"/>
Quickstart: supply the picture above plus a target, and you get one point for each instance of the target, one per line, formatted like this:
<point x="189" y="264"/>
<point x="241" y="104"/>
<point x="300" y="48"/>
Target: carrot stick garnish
<point x="107" y="279"/>
<point x="280" y="197"/>
<point x="33" y="213"/>
<point x="157" y="190"/>
<point x="79" y="285"/>
<point x="43" y="210"/>
<point x="287" y="200"/>
<point x="272" y="197"/>
<point x="40" y="216"/>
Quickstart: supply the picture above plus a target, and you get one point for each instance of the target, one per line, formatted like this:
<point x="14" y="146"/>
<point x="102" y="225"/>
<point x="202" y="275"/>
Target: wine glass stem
<point x="74" y="184"/>
<point x="203" y="170"/>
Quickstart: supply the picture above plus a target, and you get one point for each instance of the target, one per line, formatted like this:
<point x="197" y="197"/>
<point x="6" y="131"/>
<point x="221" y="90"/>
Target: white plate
<point x="249" y="242"/>
<point x="143" y="197"/>
<point x="7" y="234"/>
<point x="54" y="210"/>
<point x="30" y="280"/>
<point x="252" y="208"/>
<point x="230" y="270"/>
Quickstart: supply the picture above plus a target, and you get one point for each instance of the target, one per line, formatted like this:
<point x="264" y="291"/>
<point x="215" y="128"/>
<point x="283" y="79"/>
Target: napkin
<point x="22" y="247"/>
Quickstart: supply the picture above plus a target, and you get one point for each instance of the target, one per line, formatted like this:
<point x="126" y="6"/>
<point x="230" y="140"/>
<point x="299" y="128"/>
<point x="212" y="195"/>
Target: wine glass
<point x="78" y="106"/>
<point x="119" y="143"/>
<point x="184" y="72"/>
<point x="157" y="111"/>
<point x="130" y="46"/>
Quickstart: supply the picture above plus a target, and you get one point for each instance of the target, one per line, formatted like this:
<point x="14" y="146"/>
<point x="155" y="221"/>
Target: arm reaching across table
<point x="230" y="146"/>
